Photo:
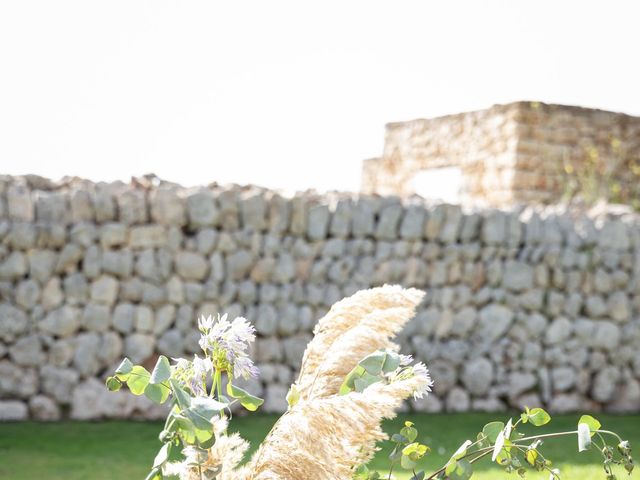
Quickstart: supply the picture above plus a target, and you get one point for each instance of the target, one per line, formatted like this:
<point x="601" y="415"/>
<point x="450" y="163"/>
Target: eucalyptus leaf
<point x="123" y="370"/>
<point x="373" y="363"/>
<point x="113" y="384"/>
<point x="162" y="371"/>
<point x="491" y="430"/>
<point x="538" y="417"/>
<point x="162" y="456"/>
<point x="593" y="424"/>
<point x="157" y="393"/>
<point x="248" y="401"/>
<point x="138" y="380"/>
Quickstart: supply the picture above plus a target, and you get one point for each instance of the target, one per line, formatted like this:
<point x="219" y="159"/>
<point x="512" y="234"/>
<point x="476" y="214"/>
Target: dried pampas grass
<point x="326" y="435"/>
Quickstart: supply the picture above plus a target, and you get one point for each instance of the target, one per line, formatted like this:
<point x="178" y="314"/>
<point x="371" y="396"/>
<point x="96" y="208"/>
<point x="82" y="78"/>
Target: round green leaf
<point x="138" y="380"/>
<point x="539" y="417"/>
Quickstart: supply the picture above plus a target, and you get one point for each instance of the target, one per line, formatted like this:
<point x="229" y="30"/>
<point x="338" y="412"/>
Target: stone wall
<point x="520" y="152"/>
<point x="530" y="307"/>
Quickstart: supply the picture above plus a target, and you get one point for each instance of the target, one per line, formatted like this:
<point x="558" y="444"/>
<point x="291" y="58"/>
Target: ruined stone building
<point x="523" y="152"/>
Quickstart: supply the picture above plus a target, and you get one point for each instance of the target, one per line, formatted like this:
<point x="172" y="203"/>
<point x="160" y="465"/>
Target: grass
<point x="124" y="450"/>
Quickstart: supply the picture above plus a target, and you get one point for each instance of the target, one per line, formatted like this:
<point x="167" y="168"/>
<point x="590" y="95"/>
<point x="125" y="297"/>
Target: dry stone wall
<point x="535" y="307"/>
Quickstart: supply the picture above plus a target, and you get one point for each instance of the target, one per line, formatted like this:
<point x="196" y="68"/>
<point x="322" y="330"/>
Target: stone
<point x="113" y="235"/>
<point x="559" y="331"/>
<point x="340" y="225"/>
<point x="566" y="403"/>
<point x="494" y="228"/>
<point x="13" y="410"/>
<point x="388" y="221"/>
<point x="85" y="357"/>
<point x="318" y="222"/>
<point x="111" y="347"/>
<point x="477" y="376"/>
<point x="118" y="263"/>
<point x="88" y="400"/>
<point x="171" y="344"/>
<point x="595" y="306"/>
<point x="285" y="268"/>
<point x="52" y="295"/>
<point x="518" y="276"/>
<point x="20" y="204"/>
<point x="51" y="207"/>
<point x="457" y="400"/>
<point x="62" y="322"/>
<point x="132" y="207"/>
<point x="563" y="378"/>
<point x="494" y="321"/>
<point x="17" y="382"/>
<point x="27" y="351"/>
<point x="81" y="207"/>
<point x="206" y="240"/>
<point x="105" y="206"/>
<point x="606" y="335"/>
<point x="253" y="211"/>
<point x="521" y="382"/>
<point x="144" y="319"/>
<point x="138" y="347"/>
<point x="412" y="224"/>
<point x="96" y="318"/>
<point x="27" y="294"/>
<point x="61" y="352"/>
<point x="167" y="207"/>
<point x="427" y="404"/>
<point x="239" y="264"/>
<point x="147" y="236"/>
<point x="13" y="322"/>
<point x="104" y="290"/>
<point x="92" y="262"/>
<point x="268" y="349"/>
<point x="76" y="289"/>
<point x="123" y="317"/>
<point x="20" y="236"/>
<point x="14" y="266"/>
<point x="83" y="234"/>
<point x="59" y="382"/>
<point x="605" y="384"/>
<point x="267" y="320"/>
<point x="191" y="266"/>
<point x="275" y="399"/>
<point x="164" y="318"/>
<point x="288" y="320"/>
<point x="626" y="399"/>
<point x="464" y="321"/>
<point x="44" y="409"/>
<point x="619" y="307"/>
<point x="41" y="264"/>
<point x="451" y="225"/>
<point x="202" y="210"/>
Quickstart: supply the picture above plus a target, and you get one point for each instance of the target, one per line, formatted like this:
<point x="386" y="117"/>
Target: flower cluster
<point x="226" y="343"/>
<point x="418" y="370"/>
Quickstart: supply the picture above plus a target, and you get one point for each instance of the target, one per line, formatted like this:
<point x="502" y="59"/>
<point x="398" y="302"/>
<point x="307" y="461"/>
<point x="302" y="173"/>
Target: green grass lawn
<point x="124" y="450"/>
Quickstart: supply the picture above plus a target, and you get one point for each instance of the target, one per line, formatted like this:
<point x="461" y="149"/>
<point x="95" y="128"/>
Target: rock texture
<point x="534" y="305"/>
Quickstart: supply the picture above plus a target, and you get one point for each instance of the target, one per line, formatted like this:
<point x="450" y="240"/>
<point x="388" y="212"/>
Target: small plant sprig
<point x="509" y="448"/>
<point x="197" y="417"/>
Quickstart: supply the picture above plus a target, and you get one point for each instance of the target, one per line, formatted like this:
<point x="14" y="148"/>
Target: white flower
<point x="205" y="323"/>
<point x="405" y="359"/>
<point x="227" y="343"/>
<point x="201" y="366"/>
<point x="420" y="371"/>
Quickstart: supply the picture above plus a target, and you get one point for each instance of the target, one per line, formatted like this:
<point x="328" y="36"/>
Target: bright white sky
<point x="286" y="94"/>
